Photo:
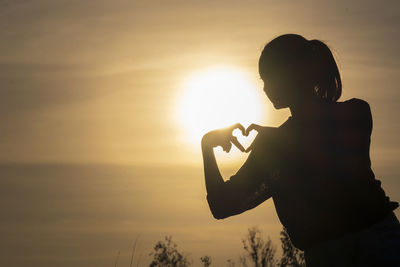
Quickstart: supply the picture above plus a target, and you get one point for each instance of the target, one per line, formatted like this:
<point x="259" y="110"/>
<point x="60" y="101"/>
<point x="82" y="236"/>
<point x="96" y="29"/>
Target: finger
<point x="240" y="127"/>
<point x="253" y="126"/>
<point x="250" y="128"/>
<point x="250" y="147"/>
<point x="237" y="144"/>
<point x="228" y="147"/>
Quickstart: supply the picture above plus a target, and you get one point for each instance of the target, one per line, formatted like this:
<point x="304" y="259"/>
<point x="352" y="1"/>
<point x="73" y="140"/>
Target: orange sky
<point x="75" y="77"/>
<point x="97" y="81"/>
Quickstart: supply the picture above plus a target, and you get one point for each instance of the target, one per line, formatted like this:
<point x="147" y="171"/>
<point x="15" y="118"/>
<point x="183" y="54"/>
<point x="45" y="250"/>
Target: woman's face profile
<point x="275" y="91"/>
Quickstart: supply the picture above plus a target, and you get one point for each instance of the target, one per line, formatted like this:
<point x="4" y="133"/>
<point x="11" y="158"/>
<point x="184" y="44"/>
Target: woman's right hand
<point x="224" y="138"/>
<point x="259" y="129"/>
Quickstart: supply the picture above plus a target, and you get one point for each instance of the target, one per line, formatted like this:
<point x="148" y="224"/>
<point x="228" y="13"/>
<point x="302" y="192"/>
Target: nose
<point x="267" y="91"/>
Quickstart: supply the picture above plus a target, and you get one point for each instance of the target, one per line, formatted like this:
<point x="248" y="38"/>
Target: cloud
<point x="26" y="88"/>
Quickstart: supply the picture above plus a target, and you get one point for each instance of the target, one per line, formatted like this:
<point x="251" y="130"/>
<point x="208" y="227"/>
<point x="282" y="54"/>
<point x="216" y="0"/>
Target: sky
<point x="99" y="83"/>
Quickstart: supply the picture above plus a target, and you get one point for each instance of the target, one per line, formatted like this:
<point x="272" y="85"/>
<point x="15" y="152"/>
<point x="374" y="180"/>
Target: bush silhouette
<point x="206" y="260"/>
<point x="260" y="252"/>
<point x="166" y="254"/>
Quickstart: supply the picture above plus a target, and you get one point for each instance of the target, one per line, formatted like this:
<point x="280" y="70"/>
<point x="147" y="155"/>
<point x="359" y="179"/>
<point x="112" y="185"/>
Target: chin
<point x="279" y="105"/>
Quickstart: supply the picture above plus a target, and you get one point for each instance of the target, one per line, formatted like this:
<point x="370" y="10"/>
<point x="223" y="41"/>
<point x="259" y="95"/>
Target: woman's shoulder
<point x="354" y="110"/>
<point x="357" y="104"/>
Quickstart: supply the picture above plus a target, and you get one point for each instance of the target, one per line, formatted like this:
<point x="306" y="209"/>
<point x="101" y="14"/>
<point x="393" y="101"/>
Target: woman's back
<point x="326" y="187"/>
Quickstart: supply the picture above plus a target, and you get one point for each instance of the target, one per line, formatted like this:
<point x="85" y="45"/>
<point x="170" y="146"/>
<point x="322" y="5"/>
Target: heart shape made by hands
<point x="230" y="164"/>
<point x="245" y="141"/>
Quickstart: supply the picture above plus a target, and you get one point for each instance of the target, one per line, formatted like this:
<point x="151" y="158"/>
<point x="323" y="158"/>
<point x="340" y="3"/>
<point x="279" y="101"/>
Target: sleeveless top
<point x="318" y="174"/>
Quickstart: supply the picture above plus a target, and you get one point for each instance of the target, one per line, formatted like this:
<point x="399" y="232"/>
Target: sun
<point x="217" y="97"/>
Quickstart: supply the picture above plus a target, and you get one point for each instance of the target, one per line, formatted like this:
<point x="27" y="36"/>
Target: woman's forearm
<point x="213" y="178"/>
<point x="215" y="185"/>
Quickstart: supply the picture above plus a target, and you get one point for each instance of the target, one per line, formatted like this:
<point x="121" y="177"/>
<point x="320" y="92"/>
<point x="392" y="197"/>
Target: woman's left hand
<point x="259" y="129"/>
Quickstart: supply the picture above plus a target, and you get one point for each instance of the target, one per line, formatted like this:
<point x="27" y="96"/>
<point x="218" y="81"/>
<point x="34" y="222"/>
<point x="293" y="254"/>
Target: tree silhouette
<point x="260" y="252"/>
<point x="291" y="256"/>
<point x="166" y="254"/>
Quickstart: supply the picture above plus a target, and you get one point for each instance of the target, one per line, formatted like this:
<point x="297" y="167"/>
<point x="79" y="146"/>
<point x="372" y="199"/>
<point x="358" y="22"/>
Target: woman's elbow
<point x="218" y="208"/>
<point x="218" y="214"/>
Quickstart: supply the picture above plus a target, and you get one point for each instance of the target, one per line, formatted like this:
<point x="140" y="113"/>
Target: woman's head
<point x="296" y="70"/>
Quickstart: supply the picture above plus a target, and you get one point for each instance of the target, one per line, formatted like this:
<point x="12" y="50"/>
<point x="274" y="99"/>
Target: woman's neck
<point x="307" y="111"/>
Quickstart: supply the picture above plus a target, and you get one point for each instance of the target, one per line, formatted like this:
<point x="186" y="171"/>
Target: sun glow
<point x="218" y="97"/>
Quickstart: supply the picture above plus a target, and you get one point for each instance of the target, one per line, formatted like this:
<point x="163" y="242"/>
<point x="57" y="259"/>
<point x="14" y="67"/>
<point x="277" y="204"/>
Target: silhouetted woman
<point x="315" y="166"/>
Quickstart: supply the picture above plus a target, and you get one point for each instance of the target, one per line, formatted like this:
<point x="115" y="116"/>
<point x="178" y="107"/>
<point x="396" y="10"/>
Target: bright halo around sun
<point x="218" y="97"/>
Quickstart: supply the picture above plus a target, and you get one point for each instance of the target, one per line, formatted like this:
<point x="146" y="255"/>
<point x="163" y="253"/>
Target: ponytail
<point x="308" y="63"/>
<point x="325" y="74"/>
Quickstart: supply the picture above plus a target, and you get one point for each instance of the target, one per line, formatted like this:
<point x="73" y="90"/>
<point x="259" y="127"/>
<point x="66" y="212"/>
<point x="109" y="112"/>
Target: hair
<point x="309" y="64"/>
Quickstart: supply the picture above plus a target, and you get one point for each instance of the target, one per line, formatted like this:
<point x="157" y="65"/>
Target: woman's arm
<point x="223" y="138"/>
<point x="243" y="191"/>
